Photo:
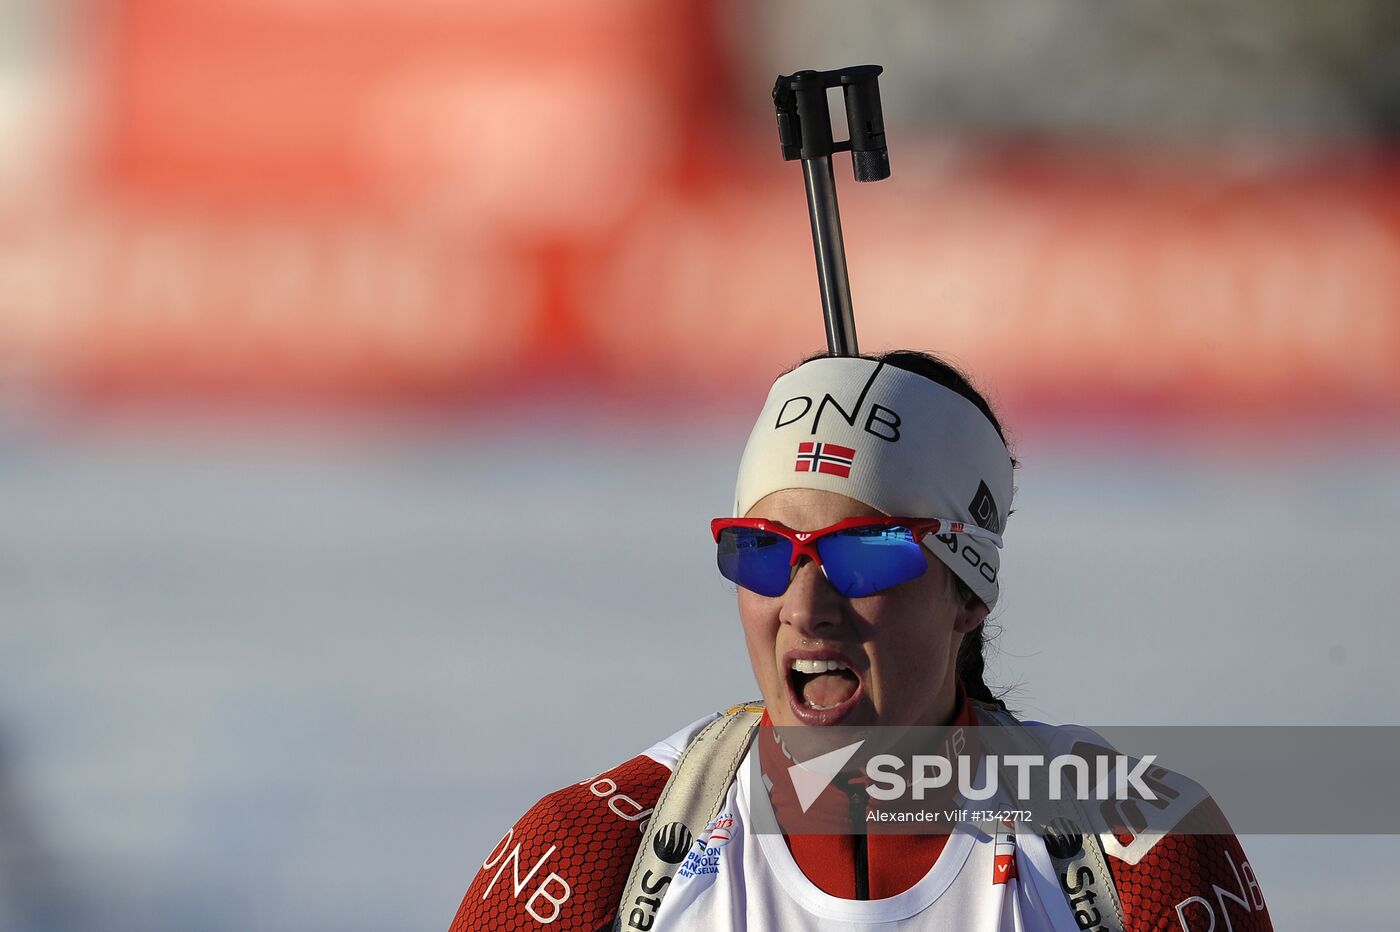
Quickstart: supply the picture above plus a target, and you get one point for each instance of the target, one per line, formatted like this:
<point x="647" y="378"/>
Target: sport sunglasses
<point x="858" y="556"/>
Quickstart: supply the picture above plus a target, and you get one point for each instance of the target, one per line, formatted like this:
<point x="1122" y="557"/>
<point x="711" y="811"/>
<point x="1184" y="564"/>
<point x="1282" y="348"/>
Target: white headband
<point x="892" y="439"/>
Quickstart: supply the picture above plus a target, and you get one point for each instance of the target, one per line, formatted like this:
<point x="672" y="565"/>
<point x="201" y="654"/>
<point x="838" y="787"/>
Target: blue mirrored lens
<point x="865" y="560"/>
<point x="757" y="560"/>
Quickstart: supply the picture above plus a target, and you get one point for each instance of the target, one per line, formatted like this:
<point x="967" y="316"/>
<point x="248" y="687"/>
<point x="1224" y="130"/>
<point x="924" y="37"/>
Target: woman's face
<point x="898" y="646"/>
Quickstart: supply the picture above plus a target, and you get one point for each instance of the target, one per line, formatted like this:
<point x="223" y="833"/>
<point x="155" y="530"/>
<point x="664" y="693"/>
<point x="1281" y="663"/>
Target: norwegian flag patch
<point x="830" y="458"/>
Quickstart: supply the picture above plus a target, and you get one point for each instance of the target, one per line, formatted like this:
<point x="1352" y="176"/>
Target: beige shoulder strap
<point x="1070" y="851"/>
<point x="690" y="800"/>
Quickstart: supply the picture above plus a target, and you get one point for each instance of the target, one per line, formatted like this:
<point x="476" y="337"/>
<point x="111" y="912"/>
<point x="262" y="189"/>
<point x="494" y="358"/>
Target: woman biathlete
<point x="869" y="508"/>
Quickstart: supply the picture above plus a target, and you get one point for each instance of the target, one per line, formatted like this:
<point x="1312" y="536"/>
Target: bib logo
<point x="720" y="830"/>
<point x="880" y="421"/>
<point x="705" y="862"/>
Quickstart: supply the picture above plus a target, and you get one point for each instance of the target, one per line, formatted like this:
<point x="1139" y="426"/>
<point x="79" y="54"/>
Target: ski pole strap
<point x="688" y="803"/>
<point x="1073" y="848"/>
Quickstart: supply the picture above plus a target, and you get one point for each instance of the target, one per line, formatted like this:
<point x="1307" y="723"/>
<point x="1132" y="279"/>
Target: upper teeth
<point x="819" y="666"/>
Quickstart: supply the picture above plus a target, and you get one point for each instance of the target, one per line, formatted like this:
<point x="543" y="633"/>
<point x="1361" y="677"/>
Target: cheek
<point x="912" y="638"/>
<point x="759" y="616"/>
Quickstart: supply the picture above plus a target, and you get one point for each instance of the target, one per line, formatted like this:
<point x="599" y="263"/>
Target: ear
<point x="972" y="611"/>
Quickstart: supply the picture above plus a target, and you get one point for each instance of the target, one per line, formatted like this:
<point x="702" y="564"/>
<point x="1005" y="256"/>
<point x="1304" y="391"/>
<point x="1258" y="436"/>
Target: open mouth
<point x="822" y="684"/>
<point x="822" y="689"/>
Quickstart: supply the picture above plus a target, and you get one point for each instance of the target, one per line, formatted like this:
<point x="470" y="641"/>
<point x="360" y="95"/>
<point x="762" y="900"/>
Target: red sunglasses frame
<point x="804" y="543"/>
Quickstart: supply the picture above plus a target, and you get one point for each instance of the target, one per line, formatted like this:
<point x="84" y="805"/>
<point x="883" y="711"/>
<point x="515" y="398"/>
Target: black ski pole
<point x="804" y="130"/>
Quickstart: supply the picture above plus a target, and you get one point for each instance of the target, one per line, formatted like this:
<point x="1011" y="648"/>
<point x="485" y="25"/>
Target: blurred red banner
<point x="424" y="200"/>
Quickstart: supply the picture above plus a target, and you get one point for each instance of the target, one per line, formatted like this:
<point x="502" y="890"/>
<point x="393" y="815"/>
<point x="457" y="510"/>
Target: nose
<point x="811" y="605"/>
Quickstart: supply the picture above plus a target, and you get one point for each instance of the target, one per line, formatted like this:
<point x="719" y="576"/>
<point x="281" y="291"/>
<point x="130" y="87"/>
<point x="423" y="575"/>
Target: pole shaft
<point x="831" y="256"/>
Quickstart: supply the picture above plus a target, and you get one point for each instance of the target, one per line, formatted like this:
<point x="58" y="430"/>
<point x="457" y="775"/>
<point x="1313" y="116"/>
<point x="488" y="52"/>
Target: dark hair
<point x="971" y="662"/>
